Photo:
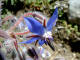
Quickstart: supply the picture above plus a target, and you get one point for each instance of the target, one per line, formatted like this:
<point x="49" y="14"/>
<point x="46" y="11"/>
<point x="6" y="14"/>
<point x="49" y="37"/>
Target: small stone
<point x="74" y="11"/>
<point x="59" y="58"/>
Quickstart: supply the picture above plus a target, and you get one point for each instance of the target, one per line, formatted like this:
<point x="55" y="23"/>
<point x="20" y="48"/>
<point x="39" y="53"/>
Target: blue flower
<point x="42" y="33"/>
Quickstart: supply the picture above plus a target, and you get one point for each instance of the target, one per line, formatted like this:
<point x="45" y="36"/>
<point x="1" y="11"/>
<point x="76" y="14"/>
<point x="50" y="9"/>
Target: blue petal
<point x="30" y="41"/>
<point x="34" y="26"/>
<point x="51" y="39"/>
<point x="52" y="20"/>
<point x="41" y="42"/>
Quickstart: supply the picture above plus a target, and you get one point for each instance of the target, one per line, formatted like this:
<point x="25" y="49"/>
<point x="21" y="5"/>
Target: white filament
<point x="47" y="34"/>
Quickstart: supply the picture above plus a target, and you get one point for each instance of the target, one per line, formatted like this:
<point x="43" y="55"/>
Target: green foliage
<point x="4" y="14"/>
<point x="68" y="31"/>
<point x="60" y="13"/>
<point x="46" y="6"/>
<point x="42" y="5"/>
<point x="13" y="2"/>
<point x="29" y="1"/>
<point x="76" y="28"/>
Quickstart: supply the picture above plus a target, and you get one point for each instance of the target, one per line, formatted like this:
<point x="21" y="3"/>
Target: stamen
<point x="47" y="34"/>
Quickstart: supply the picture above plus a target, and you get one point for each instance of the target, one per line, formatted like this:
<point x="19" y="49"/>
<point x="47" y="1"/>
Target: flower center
<point x="47" y="34"/>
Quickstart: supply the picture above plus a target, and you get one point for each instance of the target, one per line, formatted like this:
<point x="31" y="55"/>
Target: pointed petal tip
<point x="29" y="41"/>
<point x="34" y="26"/>
<point x="52" y="20"/>
<point x="25" y="18"/>
<point x="41" y="42"/>
<point x="56" y="8"/>
<point x="22" y="42"/>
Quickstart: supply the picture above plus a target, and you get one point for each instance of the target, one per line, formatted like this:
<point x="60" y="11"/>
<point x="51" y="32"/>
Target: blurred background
<point x="66" y="33"/>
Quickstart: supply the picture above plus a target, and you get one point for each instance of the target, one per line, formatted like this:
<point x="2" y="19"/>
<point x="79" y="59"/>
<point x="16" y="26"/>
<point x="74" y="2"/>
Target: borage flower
<point x="42" y="33"/>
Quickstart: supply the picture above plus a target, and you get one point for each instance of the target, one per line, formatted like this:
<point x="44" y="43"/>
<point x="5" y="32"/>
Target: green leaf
<point x="12" y="2"/>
